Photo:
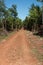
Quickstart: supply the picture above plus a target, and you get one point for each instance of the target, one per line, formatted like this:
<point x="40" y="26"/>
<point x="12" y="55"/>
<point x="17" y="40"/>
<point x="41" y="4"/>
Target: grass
<point x="38" y="35"/>
<point x="4" y="36"/>
<point x="42" y="46"/>
<point x="37" y="54"/>
<point x="34" y="50"/>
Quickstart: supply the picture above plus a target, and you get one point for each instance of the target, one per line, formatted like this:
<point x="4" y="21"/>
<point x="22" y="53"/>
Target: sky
<point x="23" y="6"/>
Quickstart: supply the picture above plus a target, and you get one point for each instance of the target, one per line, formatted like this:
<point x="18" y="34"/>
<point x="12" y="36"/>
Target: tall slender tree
<point x="42" y="16"/>
<point x="35" y="14"/>
<point x="2" y="10"/>
<point x="42" y="9"/>
<point x="13" y="12"/>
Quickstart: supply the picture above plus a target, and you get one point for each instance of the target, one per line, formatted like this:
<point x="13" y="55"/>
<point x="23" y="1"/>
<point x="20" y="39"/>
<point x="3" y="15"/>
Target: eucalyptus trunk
<point x="42" y="13"/>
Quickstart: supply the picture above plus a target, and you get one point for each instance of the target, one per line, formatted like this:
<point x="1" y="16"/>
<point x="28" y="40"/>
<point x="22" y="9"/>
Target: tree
<point x="13" y="11"/>
<point x="9" y="22"/>
<point x="41" y="27"/>
<point x="34" y="20"/>
<point x="25" y="23"/>
<point x="18" y="23"/>
<point x="35" y="13"/>
<point x="42" y="8"/>
<point x="40" y="0"/>
<point x="28" y="23"/>
<point x="2" y="10"/>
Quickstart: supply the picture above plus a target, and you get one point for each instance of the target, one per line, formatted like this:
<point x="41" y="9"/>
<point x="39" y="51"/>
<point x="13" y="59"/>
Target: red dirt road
<point x="15" y="51"/>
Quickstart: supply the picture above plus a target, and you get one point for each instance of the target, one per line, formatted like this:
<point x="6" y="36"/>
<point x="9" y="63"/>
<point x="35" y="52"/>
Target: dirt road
<point x="15" y="51"/>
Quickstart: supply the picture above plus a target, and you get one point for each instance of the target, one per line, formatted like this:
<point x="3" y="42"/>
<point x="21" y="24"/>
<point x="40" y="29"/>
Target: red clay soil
<point x="16" y="51"/>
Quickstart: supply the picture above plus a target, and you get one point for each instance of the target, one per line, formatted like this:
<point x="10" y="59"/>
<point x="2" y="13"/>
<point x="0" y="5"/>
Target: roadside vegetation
<point x="33" y="21"/>
<point x="35" y="43"/>
<point x="9" y="20"/>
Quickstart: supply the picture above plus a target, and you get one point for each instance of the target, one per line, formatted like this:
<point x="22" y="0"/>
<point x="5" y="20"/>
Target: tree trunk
<point x="42" y="12"/>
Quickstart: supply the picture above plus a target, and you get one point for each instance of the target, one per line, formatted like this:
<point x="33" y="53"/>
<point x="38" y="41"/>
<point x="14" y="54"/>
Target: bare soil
<point x="16" y="50"/>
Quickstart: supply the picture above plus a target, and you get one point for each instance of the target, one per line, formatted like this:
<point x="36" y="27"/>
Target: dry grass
<point x="36" y="45"/>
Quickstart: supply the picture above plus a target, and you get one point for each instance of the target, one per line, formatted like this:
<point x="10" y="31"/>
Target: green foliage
<point x="25" y="22"/>
<point x="28" y="23"/>
<point x="40" y="0"/>
<point x="2" y="8"/>
<point x="8" y="17"/>
<point x="0" y="24"/>
<point x="9" y="23"/>
<point x="34" y="20"/>
<point x="13" y="11"/>
<point x="18" y="23"/>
